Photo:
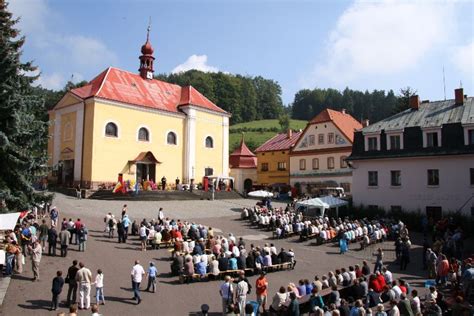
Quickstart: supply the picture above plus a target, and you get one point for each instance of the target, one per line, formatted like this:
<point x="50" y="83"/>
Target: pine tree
<point x="22" y="132"/>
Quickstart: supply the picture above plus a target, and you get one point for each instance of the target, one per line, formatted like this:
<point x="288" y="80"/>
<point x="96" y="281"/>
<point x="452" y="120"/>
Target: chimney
<point x="365" y="123"/>
<point x="290" y="133"/>
<point x="414" y="102"/>
<point x="459" y="96"/>
<point x="343" y="111"/>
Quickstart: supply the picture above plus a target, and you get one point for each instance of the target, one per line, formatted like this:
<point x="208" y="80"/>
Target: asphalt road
<point x="25" y="297"/>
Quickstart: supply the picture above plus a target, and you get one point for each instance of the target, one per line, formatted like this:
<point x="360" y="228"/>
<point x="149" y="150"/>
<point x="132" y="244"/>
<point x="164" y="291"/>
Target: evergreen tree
<point x="22" y="131"/>
<point x="404" y="99"/>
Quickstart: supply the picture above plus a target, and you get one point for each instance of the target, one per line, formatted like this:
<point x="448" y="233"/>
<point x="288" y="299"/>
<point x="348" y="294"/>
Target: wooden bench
<point x="290" y="234"/>
<point x="279" y="266"/>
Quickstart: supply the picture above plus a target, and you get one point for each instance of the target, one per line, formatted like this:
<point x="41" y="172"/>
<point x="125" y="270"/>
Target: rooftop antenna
<point x="444" y="84"/>
<point x="460" y="83"/>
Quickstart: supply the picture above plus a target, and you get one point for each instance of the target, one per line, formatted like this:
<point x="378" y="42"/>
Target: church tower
<point x="146" y="59"/>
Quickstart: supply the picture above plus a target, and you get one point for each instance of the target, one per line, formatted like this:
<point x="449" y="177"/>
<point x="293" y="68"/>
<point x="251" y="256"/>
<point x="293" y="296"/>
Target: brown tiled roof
<point x="344" y="121"/>
<point x="279" y="142"/>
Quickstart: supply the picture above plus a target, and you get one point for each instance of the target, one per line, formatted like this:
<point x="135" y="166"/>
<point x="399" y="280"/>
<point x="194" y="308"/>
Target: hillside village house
<point x="421" y="159"/>
<point x="243" y="168"/>
<point x="137" y="126"/>
<point x="318" y="158"/>
<point x="273" y="159"/>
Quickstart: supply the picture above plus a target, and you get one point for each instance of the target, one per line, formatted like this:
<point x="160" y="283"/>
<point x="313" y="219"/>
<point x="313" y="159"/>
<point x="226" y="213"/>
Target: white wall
<point x="414" y="193"/>
<point x="240" y="175"/>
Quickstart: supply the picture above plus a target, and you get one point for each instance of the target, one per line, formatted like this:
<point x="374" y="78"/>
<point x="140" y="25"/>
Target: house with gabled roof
<point x="273" y="159"/>
<point x="130" y="126"/>
<point x="421" y="159"/>
<point x="318" y="158"/>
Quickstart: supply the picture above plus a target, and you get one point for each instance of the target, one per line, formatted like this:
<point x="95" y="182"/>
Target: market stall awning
<point x="145" y="157"/>
<point x="323" y="202"/>
<point x="8" y="221"/>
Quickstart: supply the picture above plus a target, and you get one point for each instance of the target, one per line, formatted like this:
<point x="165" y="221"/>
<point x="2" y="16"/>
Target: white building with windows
<point x="421" y="159"/>
<point x="318" y="158"/>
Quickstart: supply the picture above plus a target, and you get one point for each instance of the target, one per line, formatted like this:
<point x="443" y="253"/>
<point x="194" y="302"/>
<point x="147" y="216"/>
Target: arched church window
<point x="171" y="138"/>
<point x="209" y="142"/>
<point x="111" y="130"/>
<point x="143" y="134"/>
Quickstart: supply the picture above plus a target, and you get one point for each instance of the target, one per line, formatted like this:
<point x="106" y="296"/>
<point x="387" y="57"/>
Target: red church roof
<point x="280" y="142"/>
<point x="344" y="121"/>
<point x="242" y="157"/>
<point x="123" y="86"/>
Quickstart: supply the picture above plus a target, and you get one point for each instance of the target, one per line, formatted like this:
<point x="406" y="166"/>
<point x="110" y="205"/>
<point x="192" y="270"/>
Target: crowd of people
<point x="287" y="222"/>
<point x="208" y="258"/>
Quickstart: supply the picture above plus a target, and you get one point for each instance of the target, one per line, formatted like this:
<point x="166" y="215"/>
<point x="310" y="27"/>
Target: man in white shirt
<point x="241" y="295"/>
<point x="387" y="275"/>
<point x="226" y="292"/>
<point x="137" y="274"/>
<point x="83" y="279"/>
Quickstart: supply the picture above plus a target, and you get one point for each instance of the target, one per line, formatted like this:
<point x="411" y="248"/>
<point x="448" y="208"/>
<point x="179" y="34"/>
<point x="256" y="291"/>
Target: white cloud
<point x="382" y="38"/>
<point x="59" y="55"/>
<point x="53" y="81"/>
<point x="463" y="58"/>
<point x="198" y="62"/>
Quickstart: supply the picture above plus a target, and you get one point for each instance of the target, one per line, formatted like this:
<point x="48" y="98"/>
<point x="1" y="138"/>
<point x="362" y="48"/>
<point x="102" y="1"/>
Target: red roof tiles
<point x="344" y="121"/>
<point x="279" y="142"/>
<point x="242" y="157"/>
<point x="122" y="86"/>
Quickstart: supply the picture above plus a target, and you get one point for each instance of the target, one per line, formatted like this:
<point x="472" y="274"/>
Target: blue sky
<point x="301" y="44"/>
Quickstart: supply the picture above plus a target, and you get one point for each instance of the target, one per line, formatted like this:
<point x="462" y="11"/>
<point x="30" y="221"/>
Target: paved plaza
<point x="25" y="297"/>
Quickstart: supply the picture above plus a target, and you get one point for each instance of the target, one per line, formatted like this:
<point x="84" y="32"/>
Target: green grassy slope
<point x="254" y="139"/>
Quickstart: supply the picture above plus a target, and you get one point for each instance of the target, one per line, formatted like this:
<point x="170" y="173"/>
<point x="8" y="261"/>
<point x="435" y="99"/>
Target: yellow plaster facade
<point x="81" y="152"/>
<point x="268" y="171"/>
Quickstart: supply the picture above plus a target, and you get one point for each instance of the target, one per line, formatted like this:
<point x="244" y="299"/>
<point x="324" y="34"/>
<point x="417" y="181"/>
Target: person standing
<point x="226" y="291"/>
<point x="82" y="237"/>
<point x="120" y="232"/>
<point x="99" y="287"/>
<point x="125" y="224"/>
<point x="78" y="192"/>
<point x="177" y="183"/>
<point x="261" y="286"/>
<point x="43" y="236"/>
<point x="71" y="281"/>
<point x="241" y="294"/>
<point x="84" y="278"/>
<point x="143" y="236"/>
<point x="54" y="214"/>
<point x="152" y="274"/>
<point x="378" y="260"/>
<point x="52" y="241"/>
<point x="161" y="216"/>
<point x="35" y="252"/>
<point x="343" y="245"/>
<point x="64" y="237"/>
<point x="137" y="275"/>
<point x="163" y="183"/>
<point x="56" y="289"/>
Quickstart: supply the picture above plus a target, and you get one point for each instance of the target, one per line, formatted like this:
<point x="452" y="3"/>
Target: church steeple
<point x="146" y="59"/>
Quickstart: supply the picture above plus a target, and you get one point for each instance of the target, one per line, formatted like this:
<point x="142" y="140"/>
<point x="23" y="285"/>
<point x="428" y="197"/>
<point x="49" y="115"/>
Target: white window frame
<point x="394" y="133"/>
<point x="467" y="128"/>
<point x="119" y="129"/>
<point x="366" y="140"/>
<point x="149" y="134"/>
<point x="436" y="130"/>
<point x="177" y="138"/>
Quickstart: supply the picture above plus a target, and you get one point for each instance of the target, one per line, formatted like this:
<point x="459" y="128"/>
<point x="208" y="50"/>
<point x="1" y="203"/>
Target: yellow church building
<point x="134" y="126"/>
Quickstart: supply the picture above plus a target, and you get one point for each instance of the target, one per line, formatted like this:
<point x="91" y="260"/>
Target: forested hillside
<point x="247" y="98"/>
<point x="374" y="105"/>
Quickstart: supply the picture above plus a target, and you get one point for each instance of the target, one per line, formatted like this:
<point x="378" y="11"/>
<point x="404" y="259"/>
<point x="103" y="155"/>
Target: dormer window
<point x="395" y="142"/>
<point x="372" y="141"/>
<point x="432" y="138"/>
<point x="468" y="134"/>
<point x="394" y="139"/>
